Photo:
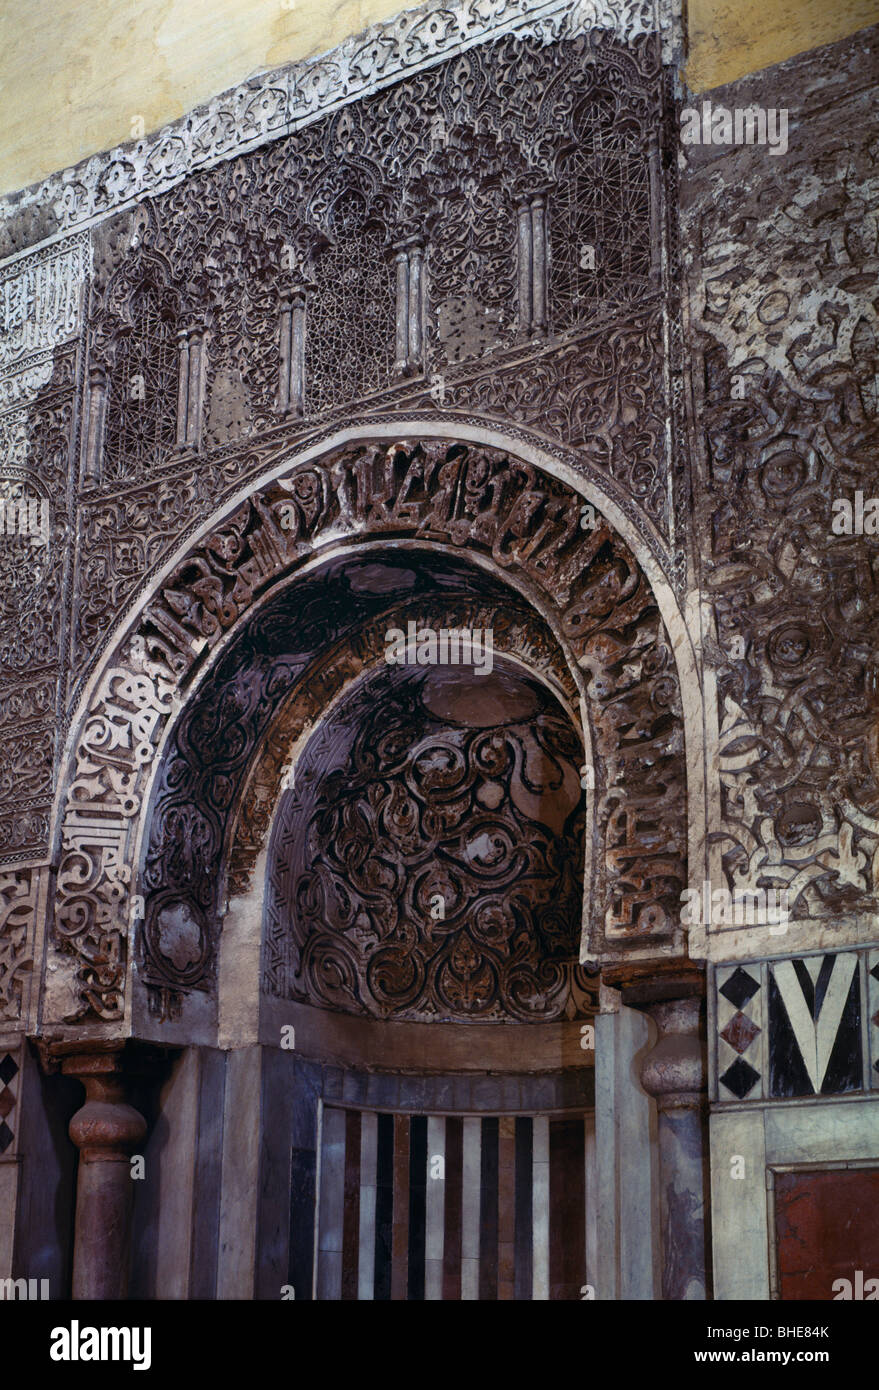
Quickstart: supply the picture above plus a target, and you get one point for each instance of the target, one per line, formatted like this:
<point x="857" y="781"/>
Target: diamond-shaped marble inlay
<point x="8" y="1069"/>
<point x="7" y="1101"/>
<point x="740" y="1032"/>
<point x="740" y="1078"/>
<point x="875" y="971"/>
<point x="739" y="988"/>
<point x="6" y="1136"/>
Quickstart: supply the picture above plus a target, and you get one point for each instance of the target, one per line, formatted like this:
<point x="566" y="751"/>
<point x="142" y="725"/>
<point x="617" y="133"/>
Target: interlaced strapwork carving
<point x="524" y="524"/>
<point x="310" y="652"/>
<point x="517" y="631"/>
<point x="141" y="414"/>
<point x="788" y="434"/>
<point x="252" y="114"/>
<point x="18" y="894"/>
<point x="350" y="335"/>
<point x="440" y="164"/>
<point x="32" y="590"/>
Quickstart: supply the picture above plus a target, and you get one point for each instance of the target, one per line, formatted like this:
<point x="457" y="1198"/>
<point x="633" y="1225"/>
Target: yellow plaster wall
<point x="730" y="38"/>
<point x="77" y="75"/>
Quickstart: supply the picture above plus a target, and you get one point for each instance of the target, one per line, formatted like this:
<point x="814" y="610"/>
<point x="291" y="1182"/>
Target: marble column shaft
<point x="106" y="1131"/>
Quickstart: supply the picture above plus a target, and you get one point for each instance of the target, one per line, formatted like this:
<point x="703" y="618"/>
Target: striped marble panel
<point x="447" y="1208"/>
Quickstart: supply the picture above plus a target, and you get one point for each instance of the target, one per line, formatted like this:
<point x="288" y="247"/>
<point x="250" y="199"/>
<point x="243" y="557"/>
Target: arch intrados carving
<point x="262" y="783"/>
<point x="320" y="673"/>
<point x="242" y="934"/>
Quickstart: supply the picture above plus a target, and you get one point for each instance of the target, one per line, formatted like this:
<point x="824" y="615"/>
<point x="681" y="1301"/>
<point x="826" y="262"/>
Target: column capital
<point x="672" y="993"/>
<point x="674" y="1070"/>
<point x="101" y="1056"/>
<point x="106" y="1129"/>
<point x="293" y="296"/>
<point x="644" y="983"/>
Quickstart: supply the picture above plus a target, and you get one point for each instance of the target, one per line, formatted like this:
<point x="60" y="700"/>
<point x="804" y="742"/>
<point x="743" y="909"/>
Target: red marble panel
<point x="827" y="1229"/>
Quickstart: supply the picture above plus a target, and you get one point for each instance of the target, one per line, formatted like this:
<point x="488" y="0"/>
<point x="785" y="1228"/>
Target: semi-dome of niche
<point x="427" y="863"/>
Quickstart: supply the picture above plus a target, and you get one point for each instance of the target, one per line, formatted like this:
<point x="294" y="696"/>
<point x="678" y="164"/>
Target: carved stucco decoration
<point x="294" y="659"/>
<point x="429" y="863"/>
<point x="793" y="640"/>
<point x="217" y="252"/>
<point x="41" y="316"/>
<point x="18" y="902"/>
<point x="33" y="632"/>
<point x="788" y="401"/>
<point x="320" y="212"/>
<point x="134" y="345"/>
<point x="460" y="197"/>
<point x="527" y="525"/>
<point x="128" y="534"/>
<point x="93" y="892"/>
<point x="516" y="630"/>
<point x="272" y="104"/>
<point x="598" y="393"/>
<point x="40" y="302"/>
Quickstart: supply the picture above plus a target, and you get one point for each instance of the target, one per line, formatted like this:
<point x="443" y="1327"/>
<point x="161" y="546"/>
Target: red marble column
<point x="107" y="1130"/>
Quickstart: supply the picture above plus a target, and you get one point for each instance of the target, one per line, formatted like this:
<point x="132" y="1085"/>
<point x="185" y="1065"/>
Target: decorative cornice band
<point x="276" y="103"/>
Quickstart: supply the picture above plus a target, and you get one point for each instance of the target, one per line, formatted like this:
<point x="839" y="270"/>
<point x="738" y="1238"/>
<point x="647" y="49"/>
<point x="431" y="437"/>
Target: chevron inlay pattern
<point x="796" y="1027"/>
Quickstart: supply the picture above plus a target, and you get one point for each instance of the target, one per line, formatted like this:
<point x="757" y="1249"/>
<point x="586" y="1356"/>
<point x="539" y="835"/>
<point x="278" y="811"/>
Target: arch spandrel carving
<point x="517" y="522"/>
